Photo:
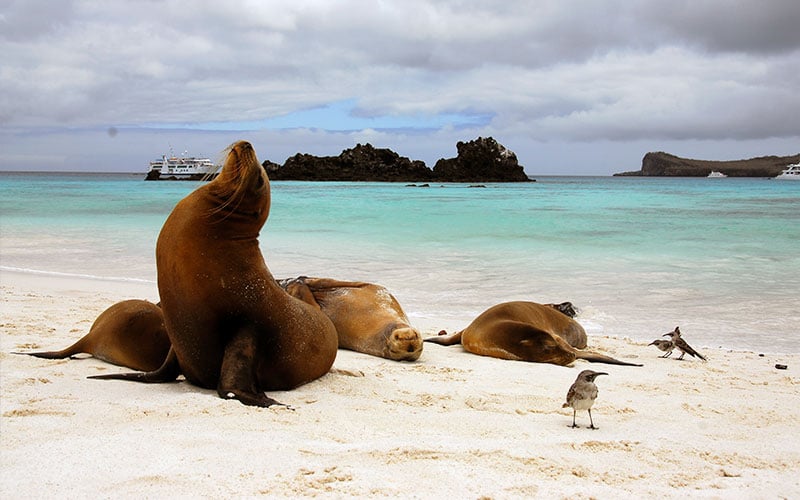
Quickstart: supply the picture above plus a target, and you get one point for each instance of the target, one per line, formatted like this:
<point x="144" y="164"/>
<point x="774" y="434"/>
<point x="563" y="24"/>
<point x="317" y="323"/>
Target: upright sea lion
<point x="367" y="317"/>
<point x="526" y="331"/>
<point x="230" y="325"/>
<point x="130" y="333"/>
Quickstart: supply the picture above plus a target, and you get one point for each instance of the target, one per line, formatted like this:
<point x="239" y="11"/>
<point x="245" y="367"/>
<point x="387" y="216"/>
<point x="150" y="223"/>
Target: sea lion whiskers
<point x="403" y="343"/>
<point x="220" y="160"/>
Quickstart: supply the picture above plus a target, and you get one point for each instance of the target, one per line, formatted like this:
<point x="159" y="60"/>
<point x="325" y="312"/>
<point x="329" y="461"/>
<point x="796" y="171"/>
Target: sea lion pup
<point x="130" y="333"/>
<point x="232" y="328"/>
<point x="367" y="317"/>
<point x="526" y="331"/>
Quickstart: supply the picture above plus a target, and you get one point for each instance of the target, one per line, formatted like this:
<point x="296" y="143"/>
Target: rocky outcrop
<point x="362" y="163"/>
<point x="662" y="164"/>
<point x="481" y="160"/>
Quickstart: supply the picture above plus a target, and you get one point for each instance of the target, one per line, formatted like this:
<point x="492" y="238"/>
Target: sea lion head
<point x="242" y="186"/>
<point x="565" y="308"/>
<point x="403" y="344"/>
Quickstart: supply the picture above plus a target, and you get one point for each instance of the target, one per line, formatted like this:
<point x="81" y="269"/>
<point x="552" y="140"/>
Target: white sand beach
<point x="452" y="424"/>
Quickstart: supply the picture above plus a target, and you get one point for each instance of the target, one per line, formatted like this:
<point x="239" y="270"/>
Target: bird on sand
<point x="681" y="344"/>
<point x="582" y="394"/>
<point x="665" y="346"/>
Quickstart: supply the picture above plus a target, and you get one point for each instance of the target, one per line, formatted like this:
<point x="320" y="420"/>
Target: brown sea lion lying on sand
<point x="367" y="317"/>
<point x="526" y="331"/>
<point x="130" y="333"/>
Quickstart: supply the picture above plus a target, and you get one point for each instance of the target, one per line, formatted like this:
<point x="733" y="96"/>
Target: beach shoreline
<point x="450" y="424"/>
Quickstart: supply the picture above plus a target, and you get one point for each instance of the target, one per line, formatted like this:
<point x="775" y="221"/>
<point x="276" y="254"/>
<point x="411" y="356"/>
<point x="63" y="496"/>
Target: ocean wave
<point x="40" y="272"/>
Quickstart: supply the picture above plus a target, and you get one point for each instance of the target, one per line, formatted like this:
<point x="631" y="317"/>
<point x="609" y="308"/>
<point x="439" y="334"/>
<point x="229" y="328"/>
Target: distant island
<point x="660" y="164"/>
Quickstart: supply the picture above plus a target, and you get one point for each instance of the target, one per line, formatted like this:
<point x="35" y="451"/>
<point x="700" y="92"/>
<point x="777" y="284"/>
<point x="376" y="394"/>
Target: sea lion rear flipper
<point x="76" y="348"/>
<point x="445" y="339"/>
<point x="601" y="358"/>
<point x="168" y="372"/>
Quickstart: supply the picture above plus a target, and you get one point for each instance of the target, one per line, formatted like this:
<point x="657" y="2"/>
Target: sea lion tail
<point x="601" y="358"/>
<point x="444" y="339"/>
<point x="168" y="372"/>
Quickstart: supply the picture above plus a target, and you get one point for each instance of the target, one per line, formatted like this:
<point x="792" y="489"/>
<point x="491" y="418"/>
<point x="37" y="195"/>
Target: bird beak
<point x="667" y="334"/>
<point x="600" y="373"/>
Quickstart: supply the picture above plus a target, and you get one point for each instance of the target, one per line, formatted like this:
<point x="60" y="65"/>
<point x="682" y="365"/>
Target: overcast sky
<point x="573" y="87"/>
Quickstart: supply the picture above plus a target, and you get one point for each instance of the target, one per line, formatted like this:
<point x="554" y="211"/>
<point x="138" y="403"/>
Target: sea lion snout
<point x="241" y="147"/>
<point x="404" y="344"/>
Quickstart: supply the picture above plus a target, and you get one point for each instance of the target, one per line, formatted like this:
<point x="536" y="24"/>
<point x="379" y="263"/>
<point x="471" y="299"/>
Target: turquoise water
<point x="638" y="256"/>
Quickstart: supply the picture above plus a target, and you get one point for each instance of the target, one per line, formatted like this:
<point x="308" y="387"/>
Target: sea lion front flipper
<point x="321" y="283"/>
<point x="168" y="372"/>
<point x="236" y="378"/>
<point x="299" y="289"/>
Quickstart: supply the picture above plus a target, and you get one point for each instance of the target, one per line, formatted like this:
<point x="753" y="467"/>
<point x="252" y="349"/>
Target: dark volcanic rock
<point x="362" y="163"/>
<point x="662" y="164"/>
<point x="481" y="160"/>
<point x="271" y="168"/>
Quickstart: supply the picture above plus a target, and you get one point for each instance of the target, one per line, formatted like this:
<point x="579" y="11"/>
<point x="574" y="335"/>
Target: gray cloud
<point x="545" y="72"/>
<point x="737" y="26"/>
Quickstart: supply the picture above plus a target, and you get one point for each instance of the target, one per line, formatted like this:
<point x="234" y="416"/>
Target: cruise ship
<point x="183" y="167"/>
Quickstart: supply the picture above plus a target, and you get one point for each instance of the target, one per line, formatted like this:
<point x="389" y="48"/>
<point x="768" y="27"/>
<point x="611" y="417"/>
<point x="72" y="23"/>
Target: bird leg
<point x="573" y="418"/>
<point x="591" y="423"/>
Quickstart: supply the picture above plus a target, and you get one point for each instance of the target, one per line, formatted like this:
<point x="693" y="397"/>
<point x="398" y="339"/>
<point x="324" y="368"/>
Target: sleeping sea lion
<point x="130" y="333"/>
<point x="526" y="331"/>
<point x="231" y="327"/>
<point x="367" y="317"/>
